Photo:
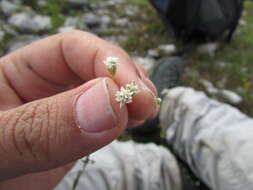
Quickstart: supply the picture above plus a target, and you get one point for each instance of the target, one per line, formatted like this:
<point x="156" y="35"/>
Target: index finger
<point x="49" y="66"/>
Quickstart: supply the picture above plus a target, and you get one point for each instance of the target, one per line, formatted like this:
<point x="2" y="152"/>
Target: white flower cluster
<point x="132" y="87"/>
<point x="125" y="95"/>
<point x="111" y="65"/>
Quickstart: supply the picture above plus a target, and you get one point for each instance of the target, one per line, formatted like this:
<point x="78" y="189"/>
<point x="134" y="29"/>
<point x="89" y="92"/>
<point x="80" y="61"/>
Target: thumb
<point x="57" y="130"/>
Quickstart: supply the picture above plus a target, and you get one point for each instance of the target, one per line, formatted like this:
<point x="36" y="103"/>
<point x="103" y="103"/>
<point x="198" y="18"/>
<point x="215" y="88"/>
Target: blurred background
<point x="223" y="70"/>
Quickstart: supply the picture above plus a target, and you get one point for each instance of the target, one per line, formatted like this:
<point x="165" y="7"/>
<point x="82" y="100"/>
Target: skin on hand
<point x="58" y="104"/>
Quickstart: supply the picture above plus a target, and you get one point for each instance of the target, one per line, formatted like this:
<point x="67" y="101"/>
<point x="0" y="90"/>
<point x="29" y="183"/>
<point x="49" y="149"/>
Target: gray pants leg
<point x="127" y="166"/>
<point x="215" y="139"/>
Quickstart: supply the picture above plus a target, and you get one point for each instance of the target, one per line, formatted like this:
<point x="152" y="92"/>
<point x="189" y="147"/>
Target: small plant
<point x="85" y="162"/>
<point x="125" y="95"/>
<point x="158" y="101"/>
<point x="112" y="65"/>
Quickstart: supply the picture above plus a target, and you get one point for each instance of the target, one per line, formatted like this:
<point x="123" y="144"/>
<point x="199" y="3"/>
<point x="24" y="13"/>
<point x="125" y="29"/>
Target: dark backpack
<point x="200" y="21"/>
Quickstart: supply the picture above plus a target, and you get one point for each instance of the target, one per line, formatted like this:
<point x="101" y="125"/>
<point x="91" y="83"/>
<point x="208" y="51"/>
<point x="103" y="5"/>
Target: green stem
<point x="80" y="172"/>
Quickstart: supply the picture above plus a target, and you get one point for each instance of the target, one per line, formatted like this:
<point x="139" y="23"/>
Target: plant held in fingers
<point x="111" y="65"/>
<point x="125" y="95"/>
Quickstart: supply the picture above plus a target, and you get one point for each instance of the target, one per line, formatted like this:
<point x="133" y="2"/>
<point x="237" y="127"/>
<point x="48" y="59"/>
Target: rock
<point x="42" y="3"/>
<point x="43" y="22"/>
<point x="112" y="39"/>
<point x="242" y="22"/>
<point x="29" y="22"/>
<point x="105" y="20"/>
<point x="91" y="20"/>
<point x="66" y="29"/>
<point x="162" y="50"/>
<point x="244" y="70"/>
<point x="131" y="10"/>
<point x="77" y="3"/>
<point x="21" y="42"/>
<point x="241" y="90"/>
<point x="8" y="29"/>
<point x="8" y="8"/>
<point x="74" y="23"/>
<point x="2" y="34"/>
<point x="222" y="64"/>
<point x="167" y="73"/>
<point x="167" y="49"/>
<point x="192" y="73"/>
<point x="209" y="87"/>
<point x="231" y="97"/>
<point x="147" y="63"/>
<point x="209" y="48"/>
<point x="121" y="22"/>
<point x="23" y="22"/>
<point x="112" y="2"/>
<point x="71" y="21"/>
<point x="17" y="2"/>
<point x="153" y="53"/>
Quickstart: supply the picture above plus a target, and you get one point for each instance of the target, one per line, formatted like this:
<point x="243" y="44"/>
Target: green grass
<point x="149" y="32"/>
<point x="139" y="3"/>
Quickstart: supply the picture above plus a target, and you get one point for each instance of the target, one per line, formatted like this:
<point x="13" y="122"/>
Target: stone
<point x="147" y="63"/>
<point x="66" y="29"/>
<point x="8" y="8"/>
<point x="23" y="22"/>
<point x="2" y="34"/>
<point x="8" y="29"/>
<point x="167" y="49"/>
<point x="91" y="20"/>
<point x="131" y="10"/>
<point x="121" y="22"/>
<point x="29" y="22"/>
<point x="21" y="41"/>
<point x="222" y="64"/>
<point x="242" y="22"/>
<point x="43" y="22"/>
<point x="162" y="50"/>
<point x="208" y="48"/>
<point x="42" y="3"/>
<point x="167" y="73"/>
<point x="209" y="87"/>
<point x="71" y="21"/>
<point x="105" y="20"/>
<point x="77" y="3"/>
<point x="231" y="97"/>
<point x="112" y="39"/>
<point x="74" y="22"/>
<point x="153" y="53"/>
<point x="17" y="2"/>
<point x="112" y="2"/>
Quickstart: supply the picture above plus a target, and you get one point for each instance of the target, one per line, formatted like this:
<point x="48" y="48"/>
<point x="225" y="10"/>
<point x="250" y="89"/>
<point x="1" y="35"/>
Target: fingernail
<point x="140" y="71"/>
<point x="94" y="111"/>
<point x="143" y="86"/>
<point x="152" y="116"/>
<point x="151" y="86"/>
<point x="145" y="82"/>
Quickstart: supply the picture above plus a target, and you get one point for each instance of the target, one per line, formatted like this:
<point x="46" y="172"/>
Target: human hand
<point x="58" y="104"/>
